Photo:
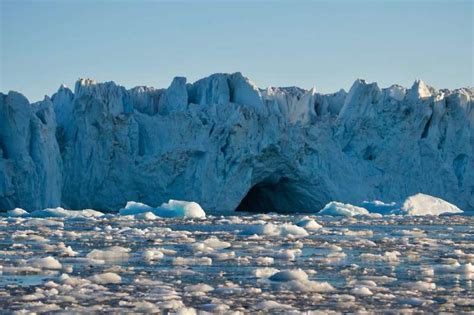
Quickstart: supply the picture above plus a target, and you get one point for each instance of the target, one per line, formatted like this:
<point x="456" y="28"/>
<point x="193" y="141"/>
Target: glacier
<point x="229" y="145"/>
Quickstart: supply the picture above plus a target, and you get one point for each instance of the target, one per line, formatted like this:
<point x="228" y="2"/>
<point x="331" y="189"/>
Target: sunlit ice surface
<point x="245" y="263"/>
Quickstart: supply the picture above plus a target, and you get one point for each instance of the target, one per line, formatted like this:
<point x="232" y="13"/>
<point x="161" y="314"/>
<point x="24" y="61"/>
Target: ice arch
<point x="283" y="195"/>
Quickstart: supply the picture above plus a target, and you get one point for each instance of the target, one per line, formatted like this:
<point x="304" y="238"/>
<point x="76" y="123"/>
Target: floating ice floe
<point x="361" y="291"/>
<point x="111" y="254"/>
<point x="45" y="263"/>
<point x="198" y="288"/>
<point x="272" y="305"/>
<point x="146" y="216"/>
<point x="265" y="272"/>
<point x="335" y="208"/>
<point x="17" y="212"/>
<point x="288" y="275"/>
<point x="106" y="278"/>
<point x="270" y="229"/>
<point x="210" y="245"/>
<point x="64" y="213"/>
<point x="152" y="254"/>
<point x="171" y="209"/>
<point x="309" y="224"/>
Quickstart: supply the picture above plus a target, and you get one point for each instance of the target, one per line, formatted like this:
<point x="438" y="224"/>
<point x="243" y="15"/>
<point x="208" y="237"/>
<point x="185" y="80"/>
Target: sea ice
<point x="152" y="254"/>
<point x="146" y="216"/>
<point x="288" y="275"/>
<point x="113" y="254"/>
<point x="106" y="278"/>
<point x="309" y="224"/>
<point x="45" y="263"/>
<point x="270" y="229"/>
<point x="272" y="305"/>
<point x="265" y="272"/>
<point x="353" y="264"/>
<point x="362" y="291"/>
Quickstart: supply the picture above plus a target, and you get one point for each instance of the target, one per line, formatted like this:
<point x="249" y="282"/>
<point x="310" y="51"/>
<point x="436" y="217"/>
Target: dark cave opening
<point x="282" y="196"/>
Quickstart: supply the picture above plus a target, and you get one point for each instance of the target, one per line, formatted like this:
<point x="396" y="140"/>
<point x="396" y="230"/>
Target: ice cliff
<point x="228" y="145"/>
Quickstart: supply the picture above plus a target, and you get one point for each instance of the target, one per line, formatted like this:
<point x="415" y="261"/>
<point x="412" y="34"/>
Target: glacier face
<point x="228" y="145"/>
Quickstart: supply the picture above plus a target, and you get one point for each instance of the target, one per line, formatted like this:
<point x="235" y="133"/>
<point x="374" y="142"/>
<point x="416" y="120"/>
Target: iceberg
<point x="421" y="204"/>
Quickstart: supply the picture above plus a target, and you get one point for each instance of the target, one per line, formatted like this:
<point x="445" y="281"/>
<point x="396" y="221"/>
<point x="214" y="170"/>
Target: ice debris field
<point x="175" y="258"/>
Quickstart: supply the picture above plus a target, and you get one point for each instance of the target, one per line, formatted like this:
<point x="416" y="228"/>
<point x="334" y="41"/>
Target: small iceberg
<point x="335" y="208"/>
<point x="421" y="204"/>
<point x="416" y="205"/>
<point x="170" y="209"/>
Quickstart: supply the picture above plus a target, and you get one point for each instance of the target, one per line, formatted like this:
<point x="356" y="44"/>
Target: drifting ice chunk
<point x="17" y="212"/>
<point x="335" y="208"/>
<point x="146" y="216"/>
<point x="45" y="263"/>
<point x="309" y="224"/>
<point x="272" y="305"/>
<point x="152" y="254"/>
<point x="132" y="208"/>
<point x="106" y="278"/>
<point x="179" y="208"/>
<point x="171" y="209"/>
<point x="270" y="229"/>
<point x="288" y="275"/>
<point x="112" y="254"/>
<point x="63" y="213"/>
<point x="421" y="204"/>
<point x="265" y="272"/>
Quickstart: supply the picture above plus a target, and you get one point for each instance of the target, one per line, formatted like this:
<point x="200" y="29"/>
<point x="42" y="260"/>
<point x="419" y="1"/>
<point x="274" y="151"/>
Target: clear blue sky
<point x="314" y="43"/>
